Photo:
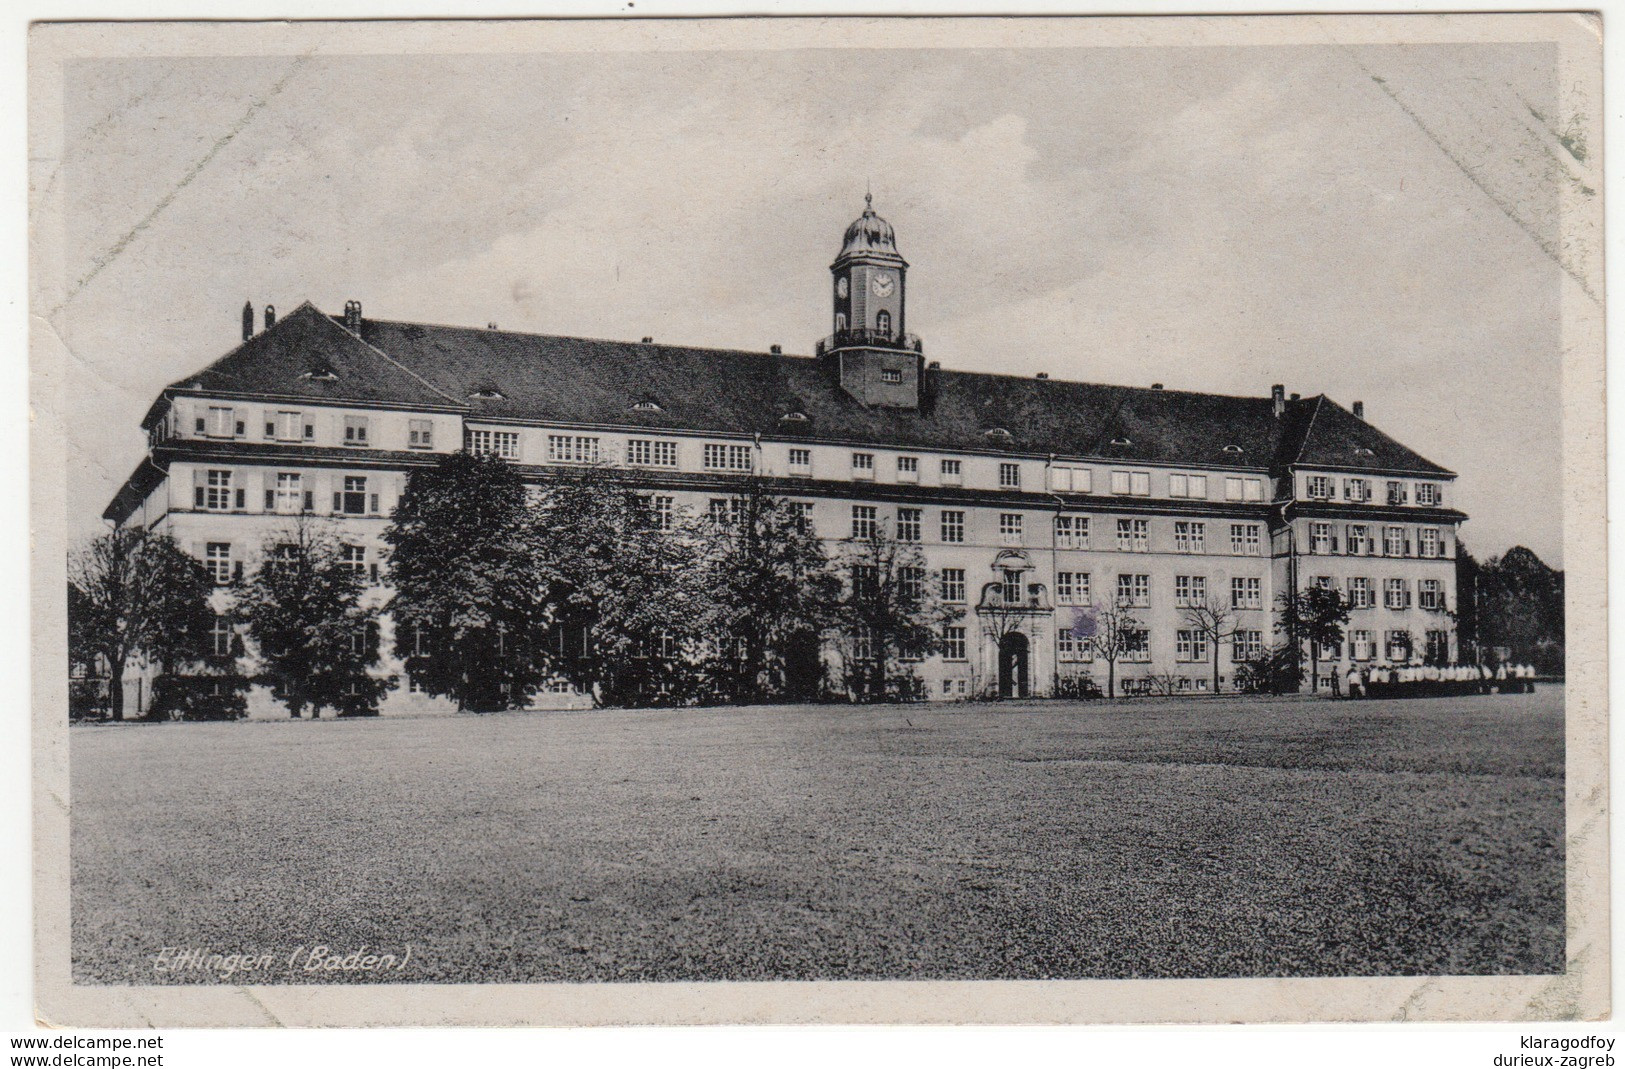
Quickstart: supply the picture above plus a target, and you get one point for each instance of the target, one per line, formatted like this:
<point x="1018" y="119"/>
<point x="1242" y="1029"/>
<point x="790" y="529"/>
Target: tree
<point x="630" y="582"/>
<point x="889" y="613"/>
<point x="771" y="595"/>
<point x="1315" y="616"/>
<point x="1117" y="633"/>
<point x="143" y="596"/>
<point x="1520" y="608"/>
<point x="315" y="639"/>
<point x="1215" y="621"/>
<point x="474" y="583"/>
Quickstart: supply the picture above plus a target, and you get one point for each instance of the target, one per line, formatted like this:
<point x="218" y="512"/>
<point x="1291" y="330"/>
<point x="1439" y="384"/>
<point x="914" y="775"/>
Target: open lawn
<point x="1021" y="840"/>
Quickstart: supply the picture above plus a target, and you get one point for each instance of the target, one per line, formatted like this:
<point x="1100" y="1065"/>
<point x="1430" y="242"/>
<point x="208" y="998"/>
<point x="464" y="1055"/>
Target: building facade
<point x="1035" y="500"/>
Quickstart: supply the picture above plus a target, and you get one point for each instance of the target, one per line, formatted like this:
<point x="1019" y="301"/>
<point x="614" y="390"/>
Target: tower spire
<point x="868" y="197"/>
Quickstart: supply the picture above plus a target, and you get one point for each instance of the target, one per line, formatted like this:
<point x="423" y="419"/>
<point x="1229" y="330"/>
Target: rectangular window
<point x="1438" y="645"/>
<point x="864" y="521"/>
<point x="572" y="449"/>
<point x="908" y="524"/>
<point x="908" y="469"/>
<point x="953" y="525"/>
<point x="420" y="434"/>
<point x="1072" y="588"/>
<point x="355" y="430"/>
<point x="1357" y="490"/>
<point x="1072" y="532"/>
<point x="803" y="513"/>
<point x="1071" y="480"/>
<point x="1359" y="593"/>
<point x="1139" y="483"/>
<point x="1134" y="590"/>
<point x="953" y="584"/>
<point x="1396" y="492"/>
<point x="354" y="558"/>
<point x="1190" y="536"/>
<point x="950" y="472"/>
<point x="1060" y="478"/>
<point x="217" y="559"/>
<point x="1137" y="645"/>
<point x="1430" y="594"/>
<point x="890" y="375"/>
<point x="1394" y="542"/>
<point x="953" y="644"/>
<point x="1120" y="482"/>
<point x="1134" y="536"/>
<point x="725" y="511"/>
<point x="504" y="444"/>
<point x="1190" y="590"/>
<point x="353" y="499"/>
<point x="285" y="426"/>
<point x="1321" y="539"/>
<point x="1252" y="489"/>
<point x="662" y="511"/>
<point x="1246" y="592"/>
<point x="1009" y="476"/>
<point x="1010" y="528"/>
<point x="648" y="453"/>
<point x="1246" y="539"/>
<point x="863" y="465"/>
<point x="910" y="583"/>
<point x="1010" y="589"/>
<point x="721" y="457"/>
<point x="1427" y="494"/>
<point x="1246" y="646"/>
<point x="1192" y="486"/>
<point x="1399" y="646"/>
<point x="800" y="461"/>
<point x="1428" y="542"/>
<point x="1190" y="646"/>
<point x="1396" y="594"/>
<point x="1320" y="487"/>
<point x="1359" y="539"/>
<point x="289" y="495"/>
<point x="220" y="637"/>
<point x="216" y="492"/>
<point x="1361" y="647"/>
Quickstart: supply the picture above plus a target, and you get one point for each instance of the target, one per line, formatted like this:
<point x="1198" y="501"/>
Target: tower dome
<point x="869" y="235"/>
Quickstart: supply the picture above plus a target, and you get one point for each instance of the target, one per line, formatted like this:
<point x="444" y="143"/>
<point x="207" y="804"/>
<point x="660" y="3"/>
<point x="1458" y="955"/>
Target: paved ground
<point x="1197" y="838"/>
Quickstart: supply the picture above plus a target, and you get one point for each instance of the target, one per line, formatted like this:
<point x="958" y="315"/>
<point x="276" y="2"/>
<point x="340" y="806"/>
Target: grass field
<point x="1197" y="838"/>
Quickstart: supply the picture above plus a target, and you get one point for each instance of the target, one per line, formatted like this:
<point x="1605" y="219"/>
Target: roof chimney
<point x="1156" y="385"/>
<point x="1043" y="374"/>
<point x="248" y="320"/>
<point x="646" y="340"/>
<point x="352" y="317"/>
<point x="270" y="316"/>
<point x="1278" y="396"/>
<point x="935" y="365"/>
<point x="1359" y="410"/>
<point x="776" y="349"/>
<point x="1294" y="397"/>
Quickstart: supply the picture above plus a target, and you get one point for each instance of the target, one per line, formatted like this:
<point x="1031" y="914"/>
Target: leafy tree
<point x="474" y="583"/>
<point x="633" y="587"/>
<point x="1315" y="616"/>
<point x="889" y="613"/>
<point x="316" y="640"/>
<point x="1215" y="621"/>
<point x="1520" y="608"/>
<point x="143" y="597"/>
<point x="770" y="595"/>
<point x="1117" y="633"/>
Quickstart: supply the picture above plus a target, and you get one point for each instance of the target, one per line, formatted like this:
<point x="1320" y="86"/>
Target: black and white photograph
<point x="618" y="507"/>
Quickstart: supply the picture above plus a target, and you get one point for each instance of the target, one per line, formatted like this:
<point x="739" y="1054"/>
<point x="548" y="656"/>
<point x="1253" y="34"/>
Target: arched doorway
<point x="1013" y="665"/>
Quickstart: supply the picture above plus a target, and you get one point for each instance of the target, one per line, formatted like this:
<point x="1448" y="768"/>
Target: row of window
<point x="286" y="492"/>
<point x="1360" y="490"/>
<point x="1396" y="593"/>
<point x="1360" y="540"/>
<point x="298" y="426"/>
<point x="224" y="565"/>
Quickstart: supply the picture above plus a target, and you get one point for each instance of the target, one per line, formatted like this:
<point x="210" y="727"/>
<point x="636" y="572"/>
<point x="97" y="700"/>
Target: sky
<point x="1375" y="223"/>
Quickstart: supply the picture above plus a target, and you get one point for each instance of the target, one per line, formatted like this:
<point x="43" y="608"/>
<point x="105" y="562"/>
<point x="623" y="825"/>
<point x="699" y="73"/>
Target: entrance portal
<point x="1013" y="665"/>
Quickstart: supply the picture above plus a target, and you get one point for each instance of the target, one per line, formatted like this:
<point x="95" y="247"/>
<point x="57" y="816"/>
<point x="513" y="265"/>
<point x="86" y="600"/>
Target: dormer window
<point x="321" y="373"/>
<point x="488" y="393"/>
<point x="997" y="434"/>
<point x="647" y="406"/>
<point x="793" y="417"/>
<point x="1362" y="451"/>
<point x="1122" y="441"/>
<point x="1232" y="449"/>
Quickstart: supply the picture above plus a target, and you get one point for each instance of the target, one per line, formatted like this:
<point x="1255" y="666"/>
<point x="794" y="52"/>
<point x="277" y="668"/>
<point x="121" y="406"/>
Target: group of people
<point x="1434" y="679"/>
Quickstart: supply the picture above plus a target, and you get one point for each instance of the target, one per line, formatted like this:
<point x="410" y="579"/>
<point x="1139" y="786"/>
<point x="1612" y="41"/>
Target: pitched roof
<point x="308" y="356"/>
<point x="502" y="375"/>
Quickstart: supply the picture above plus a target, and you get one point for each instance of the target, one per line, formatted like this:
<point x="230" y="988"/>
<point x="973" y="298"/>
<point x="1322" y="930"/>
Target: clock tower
<point x="878" y="361"/>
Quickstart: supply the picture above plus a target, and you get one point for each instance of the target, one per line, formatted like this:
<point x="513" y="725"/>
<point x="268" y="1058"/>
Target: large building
<point x="1034" y="498"/>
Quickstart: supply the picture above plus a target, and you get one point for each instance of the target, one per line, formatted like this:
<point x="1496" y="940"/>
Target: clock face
<point x="840" y="287"/>
<point x="881" y="285"/>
